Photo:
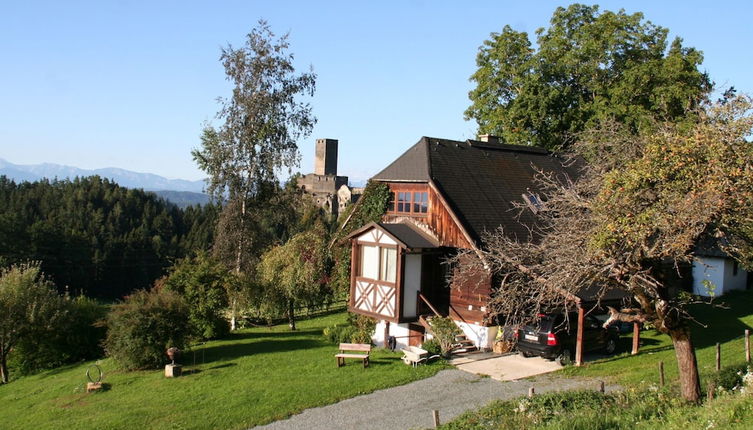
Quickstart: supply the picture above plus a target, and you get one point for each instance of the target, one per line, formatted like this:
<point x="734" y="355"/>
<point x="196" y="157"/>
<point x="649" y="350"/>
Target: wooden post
<point x="718" y="357"/>
<point x="636" y="337"/>
<point x="661" y="374"/>
<point x="579" y="342"/>
<point x="435" y="415"/>
<point x="747" y="346"/>
<point x="710" y="391"/>
<point x="601" y="387"/>
<point x="531" y="391"/>
<point x="386" y="334"/>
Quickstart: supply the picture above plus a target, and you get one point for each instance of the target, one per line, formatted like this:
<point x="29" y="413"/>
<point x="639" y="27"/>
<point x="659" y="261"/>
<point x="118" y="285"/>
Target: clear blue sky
<point x="129" y="83"/>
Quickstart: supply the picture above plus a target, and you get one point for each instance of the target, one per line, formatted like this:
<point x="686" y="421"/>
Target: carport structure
<point x="596" y="297"/>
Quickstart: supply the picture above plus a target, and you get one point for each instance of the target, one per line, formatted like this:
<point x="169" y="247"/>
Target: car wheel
<point x="565" y="358"/>
<point x="524" y="354"/>
<point x="611" y="346"/>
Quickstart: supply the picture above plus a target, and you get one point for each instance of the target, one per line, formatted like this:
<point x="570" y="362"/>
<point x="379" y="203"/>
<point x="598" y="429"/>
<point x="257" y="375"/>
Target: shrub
<point x="340" y="333"/>
<point x="203" y="283"/>
<point x="359" y="329"/>
<point x="140" y="329"/>
<point x="444" y="330"/>
<point x="77" y="336"/>
<point x="730" y="377"/>
<point x="432" y="346"/>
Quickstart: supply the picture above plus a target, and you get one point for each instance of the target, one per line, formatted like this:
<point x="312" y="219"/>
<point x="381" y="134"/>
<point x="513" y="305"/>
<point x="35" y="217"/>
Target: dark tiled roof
<point x="410" y="235"/>
<point x="479" y="180"/>
<point x="412" y="166"/>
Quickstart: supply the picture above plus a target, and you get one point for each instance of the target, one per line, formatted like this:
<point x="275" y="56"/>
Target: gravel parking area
<point x="410" y="406"/>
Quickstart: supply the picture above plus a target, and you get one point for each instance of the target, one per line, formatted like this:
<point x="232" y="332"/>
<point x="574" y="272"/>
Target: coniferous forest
<point x="96" y="238"/>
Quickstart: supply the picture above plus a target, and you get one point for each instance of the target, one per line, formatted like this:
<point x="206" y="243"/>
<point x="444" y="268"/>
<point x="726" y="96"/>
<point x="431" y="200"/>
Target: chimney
<point x="488" y="138"/>
<point x="325" y="161"/>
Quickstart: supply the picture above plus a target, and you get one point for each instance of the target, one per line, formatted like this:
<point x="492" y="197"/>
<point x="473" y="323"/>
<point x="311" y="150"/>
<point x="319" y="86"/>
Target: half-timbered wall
<point x="437" y="217"/>
<point x="375" y="275"/>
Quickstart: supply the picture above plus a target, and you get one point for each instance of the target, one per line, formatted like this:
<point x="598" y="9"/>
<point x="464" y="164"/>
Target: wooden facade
<point x="438" y="218"/>
<point x="469" y="297"/>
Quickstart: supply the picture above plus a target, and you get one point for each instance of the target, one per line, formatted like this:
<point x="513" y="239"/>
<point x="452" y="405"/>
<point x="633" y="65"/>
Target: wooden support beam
<point x="386" y="334"/>
<point x="636" y="337"/>
<point x="579" y="342"/>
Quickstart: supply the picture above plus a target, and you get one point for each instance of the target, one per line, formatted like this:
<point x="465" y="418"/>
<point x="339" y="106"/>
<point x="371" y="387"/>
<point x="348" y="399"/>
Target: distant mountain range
<point x="178" y="191"/>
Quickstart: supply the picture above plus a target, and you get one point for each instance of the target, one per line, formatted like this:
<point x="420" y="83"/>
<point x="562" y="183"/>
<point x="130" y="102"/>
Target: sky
<point x="130" y="84"/>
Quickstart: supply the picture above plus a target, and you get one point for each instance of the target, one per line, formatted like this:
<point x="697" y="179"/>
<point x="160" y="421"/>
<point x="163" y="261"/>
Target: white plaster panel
<point x="712" y="270"/>
<point x="734" y="281"/>
<point x="482" y="337"/>
<point x="411" y="284"/>
<point x="400" y="331"/>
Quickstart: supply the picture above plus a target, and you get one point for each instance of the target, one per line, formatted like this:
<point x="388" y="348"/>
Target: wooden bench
<point x="346" y="350"/>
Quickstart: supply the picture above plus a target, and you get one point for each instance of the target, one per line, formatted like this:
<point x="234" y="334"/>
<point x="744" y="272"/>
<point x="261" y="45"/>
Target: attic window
<point x="533" y="201"/>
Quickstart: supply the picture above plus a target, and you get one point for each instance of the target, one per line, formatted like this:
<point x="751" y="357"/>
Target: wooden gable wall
<point x="438" y="219"/>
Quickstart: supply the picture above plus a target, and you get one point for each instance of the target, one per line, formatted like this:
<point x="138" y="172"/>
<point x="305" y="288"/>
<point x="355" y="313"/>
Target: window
<point x="420" y="202"/>
<point x="369" y="267"/>
<point x="533" y="202"/>
<point x="408" y="202"/>
<point x="378" y="263"/>
<point x="388" y="264"/>
<point x="403" y="202"/>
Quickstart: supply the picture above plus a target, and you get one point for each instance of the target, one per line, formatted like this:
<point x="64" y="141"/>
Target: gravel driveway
<point x="410" y="406"/>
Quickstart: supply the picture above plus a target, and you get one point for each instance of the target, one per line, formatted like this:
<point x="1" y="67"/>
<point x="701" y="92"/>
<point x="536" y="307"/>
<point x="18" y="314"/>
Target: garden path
<point x="410" y="406"/>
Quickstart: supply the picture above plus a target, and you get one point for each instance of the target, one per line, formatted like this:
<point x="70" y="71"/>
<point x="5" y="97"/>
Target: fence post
<point x="747" y="346"/>
<point x="710" y="391"/>
<point x="636" y="337"/>
<point x="718" y="356"/>
<point x="435" y="415"/>
<point x="531" y="392"/>
<point x="601" y="387"/>
<point x="661" y="374"/>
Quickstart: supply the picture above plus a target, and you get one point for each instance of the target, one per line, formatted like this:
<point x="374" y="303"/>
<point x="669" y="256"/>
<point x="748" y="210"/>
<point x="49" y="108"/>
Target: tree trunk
<point x="3" y="368"/>
<point x="233" y="320"/>
<point x="690" y="384"/>
<point x="238" y="255"/>
<point x="291" y="315"/>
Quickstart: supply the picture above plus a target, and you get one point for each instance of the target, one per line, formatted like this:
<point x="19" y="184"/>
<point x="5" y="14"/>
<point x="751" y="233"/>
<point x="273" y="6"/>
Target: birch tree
<point x="261" y="123"/>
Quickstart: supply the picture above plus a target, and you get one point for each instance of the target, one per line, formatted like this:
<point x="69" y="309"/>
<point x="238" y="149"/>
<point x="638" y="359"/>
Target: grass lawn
<point x="256" y="376"/>
<point x="726" y="326"/>
<point x="641" y="405"/>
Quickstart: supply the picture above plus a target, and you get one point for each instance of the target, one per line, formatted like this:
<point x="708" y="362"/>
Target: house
<point x="330" y="191"/>
<point x="715" y="272"/>
<point x="445" y="195"/>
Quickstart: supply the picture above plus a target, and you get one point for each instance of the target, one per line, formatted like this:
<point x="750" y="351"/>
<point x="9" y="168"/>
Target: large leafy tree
<point x="635" y="214"/>
<point x="205" y="284"/>
<point x="29" y="306"/>
<point x="293" y="274"/>
<point x="262" y="121"/>
<point x="587" y="66"/>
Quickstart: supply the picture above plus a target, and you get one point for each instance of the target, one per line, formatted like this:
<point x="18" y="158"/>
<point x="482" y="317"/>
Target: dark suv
<point x="552" y="339"/>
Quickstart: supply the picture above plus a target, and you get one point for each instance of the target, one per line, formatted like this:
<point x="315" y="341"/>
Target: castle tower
<point x="325" y="161"/>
